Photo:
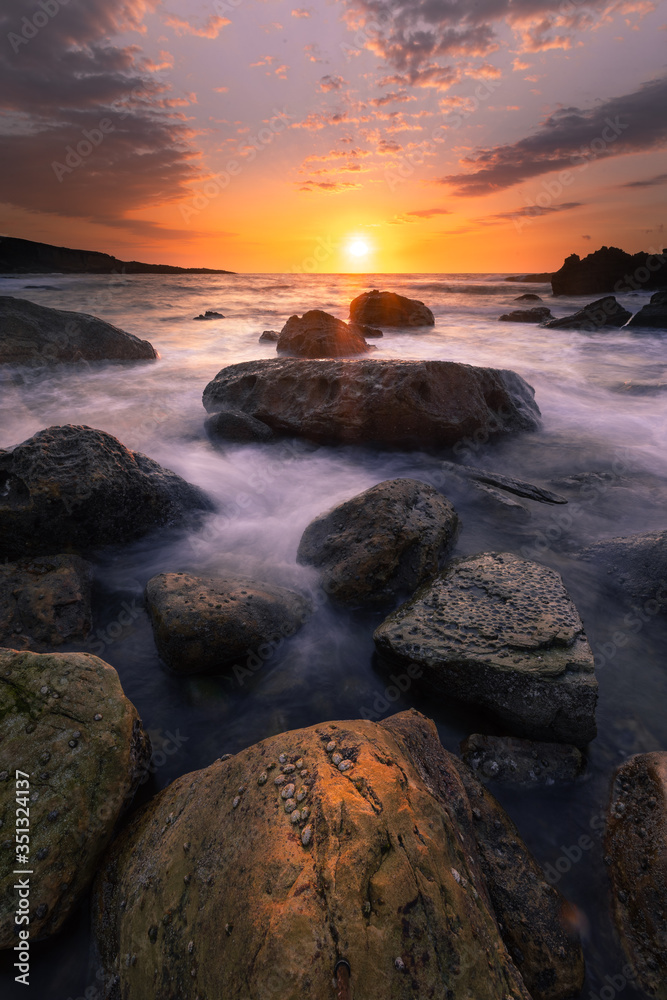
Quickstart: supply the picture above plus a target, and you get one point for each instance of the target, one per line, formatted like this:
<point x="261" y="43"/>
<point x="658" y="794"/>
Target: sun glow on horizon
<point x="358" y="248"/>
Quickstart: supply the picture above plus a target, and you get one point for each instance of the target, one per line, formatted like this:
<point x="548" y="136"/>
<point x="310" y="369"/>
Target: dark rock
<point x="495" y="479"/>
<point x="383" y="542"/>
<point x="233" y="425"/>
<point x="210" y="314"/>
<point x="637" y="564"/>
<point x="528" y="297"/>
<point x="500" y="633"/>
<point x="610" y="270"/>
<point x="74" y="488"/>
<point x="521" y="762"/>
<point x="227" y="890"/>
<point x="636" y="846"/>
<point x="207" y="624"/>
<point x="536" y="315"/>
<point x="269" y="335"/>
<point x="44" y="602"/>
<point x="400" y="404"/>
<point x="539" y="278"/>
<point x="653" y="315"/>
<point x="369" y="332"/>
<point x="32" y="334"/>
<point x="606" y="312"/>
<point x="317" y="334"/>
<point x="66" y="723"/>
<point x="389" y="309"/>
<point x="499" y="502"/>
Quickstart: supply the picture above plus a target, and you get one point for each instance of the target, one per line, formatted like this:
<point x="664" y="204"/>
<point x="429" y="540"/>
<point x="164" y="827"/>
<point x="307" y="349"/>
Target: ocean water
<point x="603" y="399"/>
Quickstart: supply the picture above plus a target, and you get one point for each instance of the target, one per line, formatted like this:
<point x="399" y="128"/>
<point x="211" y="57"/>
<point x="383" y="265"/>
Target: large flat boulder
<point x="500" y="633"/>
<point x="32" y="334"/>
<point x="45" y="602"/>
<point x="67" y="724"/>
<point x="389" y="309"/>
<point x="636" y="854"/>
<point x="206" y="624"/>
<point x="348" y="842"/>
<point x="598" y="315"/>
<point x="399" y="404"/>
<point x="610" y="269"/>
<point x="381" y="543"/>
<point x="74" y="488"/>
<point x="317" y="334"/>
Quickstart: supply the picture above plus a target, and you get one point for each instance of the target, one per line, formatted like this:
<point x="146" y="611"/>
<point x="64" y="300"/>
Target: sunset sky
<point x="256" y="135"/>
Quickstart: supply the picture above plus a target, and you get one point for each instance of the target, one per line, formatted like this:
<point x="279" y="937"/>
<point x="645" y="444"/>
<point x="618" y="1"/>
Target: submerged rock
<point x="270" y="336"/>
<point x="381" y="543"/>
<point x="44" y="602"/>
<point x="637" y="564"/>
<point x="369" y="332"/>
<point x="506" y="483"/>
<point x="210" y="314"/>
<point x="538" y="314"/>
<point x="32" y="334"/>
<point x="606" y="312"/>
<point x="500" y="633"/>
<point x="207" y="624"/>
<point x="238" y="427"/>
<point x="653" y="315"/>
<point x="521" y="762"/>
<point x="528" y="297"/>
<point x="389" y="309"/>
<point x="398" y="404"/>
<point x="73" y="488"/>
<point x="636" y="853"/>
<point x="317" y="334"/>
<point x="67" y="724"/>
<point x="217" y="890"/>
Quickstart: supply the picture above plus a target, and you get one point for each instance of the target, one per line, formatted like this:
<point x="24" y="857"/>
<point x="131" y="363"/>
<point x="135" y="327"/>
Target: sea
<point x="603" y="398"/>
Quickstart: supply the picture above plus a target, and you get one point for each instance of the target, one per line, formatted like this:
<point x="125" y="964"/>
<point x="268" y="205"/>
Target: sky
<point x="357" y="135"/>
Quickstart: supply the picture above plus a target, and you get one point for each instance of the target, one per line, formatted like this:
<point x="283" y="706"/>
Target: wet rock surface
<point x="389" y="309"/>
<point x="654" y="314"/>
<point x="381" y="543"/>
<point x="74" y="488"/>
<point x="635" y="565"/>
<point x="352" y="840"/>
<point x="317" y="334"/>
<point x="66" y="723"/>
<point x="397" y="404"/>
<point x="33" y="334"/>
<point x="269" y="336"/>
<point x="606" y="312"/>
<point x="500" y="633"/>
<point x="538" y="314"/>
<point x="236" y="427"/>
<point x="521" y="762"/>
<point x="506" y="483"/>
<point x="206" y="624"/>
<point x="44" y="602"/>
<point x="636" y="854"/>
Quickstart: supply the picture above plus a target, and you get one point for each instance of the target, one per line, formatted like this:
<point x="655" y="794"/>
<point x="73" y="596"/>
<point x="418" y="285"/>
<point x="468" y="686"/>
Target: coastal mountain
<point x="27" y="257"/>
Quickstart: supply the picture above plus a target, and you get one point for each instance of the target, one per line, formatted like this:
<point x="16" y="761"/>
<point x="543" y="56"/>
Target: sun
<point x="358" y="248"/>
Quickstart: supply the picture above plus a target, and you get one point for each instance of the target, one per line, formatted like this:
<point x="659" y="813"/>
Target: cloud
<point x="570" y="138"/>
<point x="57" y="89"/>
<point x="528" y="211"/>
<point x="300" y="12"/>
<point x="328" y="187"/>
<point x="648" y="182"/>
<point x="395" y="97"/>
<point x="428" y="213"/>
<point x="211" y="28"/>
<point x="328" y="83"/>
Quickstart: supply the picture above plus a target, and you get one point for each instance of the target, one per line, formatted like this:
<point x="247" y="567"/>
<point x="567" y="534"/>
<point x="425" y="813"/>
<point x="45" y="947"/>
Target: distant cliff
<point x="26" y="257"/>
<point x="611" y="270"/>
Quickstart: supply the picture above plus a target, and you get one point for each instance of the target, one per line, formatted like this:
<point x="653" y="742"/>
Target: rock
<point x="369" y="332"/>
<point x="499" y="502"/>
<point x="636" y="563"/>
<point x="32" y="334"/>
<point x="606" y="312"/>
<point x="269" y="335"/>
<point x="535" y="315"/>
<point x="67" y="724"/>
<point x="636" y="853"/>
<point x="528" y="297"/>
<point x="225" y="894"/>
<point x="539" y="278"/>
<point x="73" y="488"/>
<point x="381" y="543"/>
<point x="395" y="404"/>
<point x="500" y="633"/>
<point x="495" y="479"/>
<point x="389" y="309"/>
<point x="233" y="425"/>
<point x="610" y="270"/>
<point x="317" y="334"/>
<point x="206" y="624"/>
<point x="210" y="314"/>
<point x="521" y="762"/>
<point x="654" y="314"/>
<point x="44" y="602"/>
